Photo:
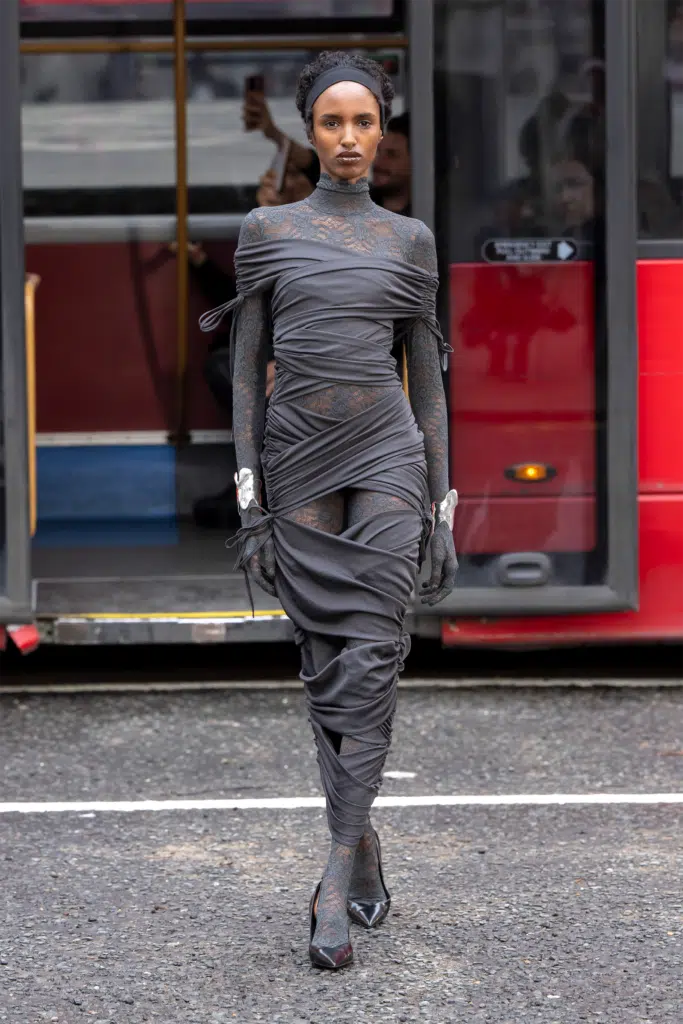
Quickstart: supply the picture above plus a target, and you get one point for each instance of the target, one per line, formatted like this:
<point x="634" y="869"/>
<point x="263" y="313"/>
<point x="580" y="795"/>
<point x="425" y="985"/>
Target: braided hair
<point x="339" y="59"/>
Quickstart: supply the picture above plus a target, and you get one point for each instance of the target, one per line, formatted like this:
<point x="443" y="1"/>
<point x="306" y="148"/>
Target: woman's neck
<point x="341" y="197"/>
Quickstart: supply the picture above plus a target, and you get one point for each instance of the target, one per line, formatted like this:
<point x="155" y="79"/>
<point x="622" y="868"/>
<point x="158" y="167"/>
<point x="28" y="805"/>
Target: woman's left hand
<point x="444" y="566"/>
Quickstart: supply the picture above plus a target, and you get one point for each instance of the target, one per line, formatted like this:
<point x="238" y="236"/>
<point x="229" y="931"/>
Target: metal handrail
<point x="242" y="44"/>
<point x="31" y="283"/>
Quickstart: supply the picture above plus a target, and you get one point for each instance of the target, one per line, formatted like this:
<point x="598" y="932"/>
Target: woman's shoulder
<point x="417" y="240"/>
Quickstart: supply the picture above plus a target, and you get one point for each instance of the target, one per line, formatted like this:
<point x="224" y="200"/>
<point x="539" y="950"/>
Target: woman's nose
<point x="349" y="138"/>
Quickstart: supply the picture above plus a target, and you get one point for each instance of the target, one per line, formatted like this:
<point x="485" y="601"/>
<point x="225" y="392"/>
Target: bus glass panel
<point x="520" y="179"/>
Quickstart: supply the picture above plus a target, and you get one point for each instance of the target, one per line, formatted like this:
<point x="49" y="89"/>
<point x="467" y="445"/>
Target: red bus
<point x="547" y="156"/>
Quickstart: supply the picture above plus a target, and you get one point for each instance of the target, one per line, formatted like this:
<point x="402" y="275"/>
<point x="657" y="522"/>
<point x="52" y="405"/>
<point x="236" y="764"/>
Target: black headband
<point x="345" y="73"/>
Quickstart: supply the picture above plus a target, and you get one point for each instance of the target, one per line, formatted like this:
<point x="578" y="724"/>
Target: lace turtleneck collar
<point x="341" y="197"/>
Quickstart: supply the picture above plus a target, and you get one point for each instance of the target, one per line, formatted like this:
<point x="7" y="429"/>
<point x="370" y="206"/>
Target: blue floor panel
<point x="106" y="483"/>
<point x="101" y="534"/>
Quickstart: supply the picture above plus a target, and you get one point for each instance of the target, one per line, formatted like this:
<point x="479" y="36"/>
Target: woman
<point x="349" y="470"/>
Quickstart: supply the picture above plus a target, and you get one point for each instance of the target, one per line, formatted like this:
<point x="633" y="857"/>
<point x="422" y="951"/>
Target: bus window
<point x="225" y="161"/>
<point x="660" y="124"/>
<point x="520" y="182"/>
<point x="98" y="134"/>
<point x="138" y="15"/>
<point x="99" y="139"/>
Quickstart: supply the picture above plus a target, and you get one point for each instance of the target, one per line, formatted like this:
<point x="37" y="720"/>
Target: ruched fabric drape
<point x="334" y="314"/>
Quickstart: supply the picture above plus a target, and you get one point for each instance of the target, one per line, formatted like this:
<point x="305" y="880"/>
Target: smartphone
<point x="279" y="164"/>
<point x="255" y="83"/>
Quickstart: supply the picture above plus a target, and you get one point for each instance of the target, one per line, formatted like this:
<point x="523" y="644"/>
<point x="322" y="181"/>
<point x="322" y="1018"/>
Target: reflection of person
<point x="256" y="116"/>
<point x="391" y="171"/>
<point x="574" y="192"/>
<point x="350" y="468"/>
<point x="296" y="186"/>
<point x="510" y="306"/>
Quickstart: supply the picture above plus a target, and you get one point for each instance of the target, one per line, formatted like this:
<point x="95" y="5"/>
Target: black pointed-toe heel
<point x="330" y="958"/>
<point x="370" y="913"/>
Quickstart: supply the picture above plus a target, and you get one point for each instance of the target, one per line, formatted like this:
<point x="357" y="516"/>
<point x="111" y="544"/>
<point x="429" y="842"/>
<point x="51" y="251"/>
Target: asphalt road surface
<point x="503" y="912"/>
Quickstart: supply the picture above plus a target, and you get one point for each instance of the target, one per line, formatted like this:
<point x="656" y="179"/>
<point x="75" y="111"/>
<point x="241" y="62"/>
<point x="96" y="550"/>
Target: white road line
<point x="287" y="803"/>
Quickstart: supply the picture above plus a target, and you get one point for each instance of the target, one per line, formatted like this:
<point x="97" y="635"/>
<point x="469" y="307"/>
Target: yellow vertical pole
<point x="182" y="280"/>
<point x="32" y="282"/>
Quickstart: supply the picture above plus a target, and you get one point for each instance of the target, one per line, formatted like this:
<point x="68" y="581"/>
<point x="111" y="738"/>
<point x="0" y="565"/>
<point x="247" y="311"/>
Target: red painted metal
<point x="25" y="638"/>
<point x="106" y="339"/>
<point x="660" y="324"/>
<point x="523" y="390"/>
<point x="660" y="433"/>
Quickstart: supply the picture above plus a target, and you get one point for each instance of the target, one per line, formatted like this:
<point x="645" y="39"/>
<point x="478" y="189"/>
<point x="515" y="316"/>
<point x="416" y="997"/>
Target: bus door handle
<point x="523" y="569"/>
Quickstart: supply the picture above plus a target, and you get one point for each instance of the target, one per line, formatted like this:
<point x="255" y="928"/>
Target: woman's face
<point x="574" y="192"/>
<point x="346" y="130"/>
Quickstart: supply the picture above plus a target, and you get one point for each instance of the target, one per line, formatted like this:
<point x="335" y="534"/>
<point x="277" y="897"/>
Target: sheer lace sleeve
<point x="425" y="382"/>
<point x="252" y="336"/>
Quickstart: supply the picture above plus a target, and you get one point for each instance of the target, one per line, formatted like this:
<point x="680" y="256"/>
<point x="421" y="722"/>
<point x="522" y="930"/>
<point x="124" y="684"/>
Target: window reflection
<point x="520" y="91"/>
<point x="230" y="147"/>
<point x="660" y="120"/>
<point x="523" y="94"/>
<point x="99" y="130"/>
<point x="98" y="133"/>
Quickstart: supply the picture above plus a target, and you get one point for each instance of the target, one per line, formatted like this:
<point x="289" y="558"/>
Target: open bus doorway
<point x="130" y="516"/>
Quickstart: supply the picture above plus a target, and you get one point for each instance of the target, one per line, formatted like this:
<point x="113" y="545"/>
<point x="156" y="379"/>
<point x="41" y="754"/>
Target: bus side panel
<point x="660" y="432"/>
<point x="106" y="340"/>
<point x="522" y="390"/>
<point x="660" y="324"/>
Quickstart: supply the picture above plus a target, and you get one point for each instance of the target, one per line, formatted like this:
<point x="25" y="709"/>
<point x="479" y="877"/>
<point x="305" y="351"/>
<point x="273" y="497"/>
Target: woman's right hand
<point x="259" y="561"/>
<point x="256" y="116"/>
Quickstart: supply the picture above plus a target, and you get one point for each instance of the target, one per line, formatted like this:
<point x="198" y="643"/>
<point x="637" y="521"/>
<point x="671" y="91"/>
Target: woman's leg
<point x="366" y="883"/>
<point x="327" y="514"/>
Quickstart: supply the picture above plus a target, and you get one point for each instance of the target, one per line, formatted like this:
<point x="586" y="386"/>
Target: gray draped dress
<point x="334" y="314"/>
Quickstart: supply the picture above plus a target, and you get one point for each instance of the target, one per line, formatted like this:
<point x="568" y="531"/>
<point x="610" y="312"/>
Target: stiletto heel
<point x="371" y="913"/>
<point x="329" y="957"/>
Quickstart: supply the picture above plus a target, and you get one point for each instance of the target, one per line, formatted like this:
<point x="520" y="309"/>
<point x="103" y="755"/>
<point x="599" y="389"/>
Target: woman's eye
<point x="365" y="124"/>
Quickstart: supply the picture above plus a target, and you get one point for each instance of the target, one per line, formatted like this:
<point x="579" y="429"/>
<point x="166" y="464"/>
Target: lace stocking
<point x="332" y="927"/>
<point x="366" y="883"/>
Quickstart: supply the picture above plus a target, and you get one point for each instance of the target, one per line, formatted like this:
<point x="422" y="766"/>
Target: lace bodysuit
<point x="342" y="215"/>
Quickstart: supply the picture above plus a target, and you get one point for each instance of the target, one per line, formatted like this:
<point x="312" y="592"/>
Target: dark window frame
<point x="619" y="592"/>
<point x="15" y="599"/>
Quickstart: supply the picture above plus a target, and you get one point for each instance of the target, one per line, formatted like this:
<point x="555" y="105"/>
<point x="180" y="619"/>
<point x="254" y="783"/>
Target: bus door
<point x="534" y="212"/>
<point x="133" y="138"/>
<point x="15" y="583"/>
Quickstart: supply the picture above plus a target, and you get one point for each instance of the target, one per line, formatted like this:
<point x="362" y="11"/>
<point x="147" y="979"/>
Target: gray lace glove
<point x="258" y="553"/>
<point x="444" y="563"/>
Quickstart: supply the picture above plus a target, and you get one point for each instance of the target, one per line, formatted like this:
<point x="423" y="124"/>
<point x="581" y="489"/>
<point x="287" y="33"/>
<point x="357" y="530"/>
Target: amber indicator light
<point x="530" y="472"/>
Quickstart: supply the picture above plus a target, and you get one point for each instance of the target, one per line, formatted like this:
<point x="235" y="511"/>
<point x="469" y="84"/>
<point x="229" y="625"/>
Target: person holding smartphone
<point x="256" y="116"/>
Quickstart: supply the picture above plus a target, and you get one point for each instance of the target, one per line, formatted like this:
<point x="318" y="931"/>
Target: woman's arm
<point x="428" y="401"/>
<point x="249" y="401"/>
<point x="425" y="382"/>
<point x="249" y="374"/>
